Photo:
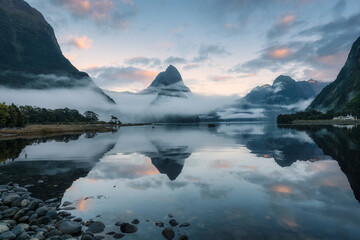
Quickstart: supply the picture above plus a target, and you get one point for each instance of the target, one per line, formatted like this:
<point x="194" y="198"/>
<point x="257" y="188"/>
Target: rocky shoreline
<point x="23" y="217"/>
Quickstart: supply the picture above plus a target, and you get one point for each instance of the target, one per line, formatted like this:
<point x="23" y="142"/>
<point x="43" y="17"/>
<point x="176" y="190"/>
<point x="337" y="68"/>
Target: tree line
<point x="14" y="116"/>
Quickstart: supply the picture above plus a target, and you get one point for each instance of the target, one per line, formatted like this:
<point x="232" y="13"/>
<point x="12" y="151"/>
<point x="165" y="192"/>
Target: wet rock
<point x="20" y="228"/>
<point x="2" y="208"/>
<point x="23" y="236"/>
<point x="8" y="199"/>
<point x="52" y="214"/>
<point x="159" y="224"/>
<point x="39" y="235"/>
<point x="68" y="208"/>
<point x="33" y="205"/>
<point x="3" y="228"/>
<point x="183" y="237"/>
<point x="44" y="220"/>
<point x="168" y="233"/>
<point x="69" y="227"/>
<point x="170" y="215"/>
<point x="23" y="219"/>
<point x="19" y="214"/>
<point x="41" y="211"/>
<point x="67" y="203"/>
<point x="96" y="227"/>
<point x="173" y="222"/>
<point x="110" y="233"/>
<point x="52" y="233"/>
<point x="77" y="220"/>
<point x="118" y="235"/>
<point x="9" y="212"/>
<point x="25" y="202"/>
<point x="87" y="236"/>
<point x="51" y="200"/>
<point x="184" y="225"/>
<point x="128" y="228"/>
<point x="33" y="216"/>
<point x="135" y="221"/>
<point x="99" y="237"/>
<point x="7" y="235"/>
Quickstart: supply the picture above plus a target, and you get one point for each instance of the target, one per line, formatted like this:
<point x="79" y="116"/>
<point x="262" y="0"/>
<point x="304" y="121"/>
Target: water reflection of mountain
<point x="52" y="174"/>
<point x="285" y="146"/>
<point x="169" y="160"/>
<point x="343" y="145"/>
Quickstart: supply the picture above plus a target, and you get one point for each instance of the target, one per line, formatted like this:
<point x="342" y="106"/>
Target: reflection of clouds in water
<point x="144" y="185"/>
<point x="124" y="169"/>
<point x="85" y="205"/>
<point x="213" y="192"/>
<point x="318" y="188"/>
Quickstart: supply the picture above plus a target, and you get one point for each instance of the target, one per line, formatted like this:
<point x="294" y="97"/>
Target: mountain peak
<point x="169" y="77"/>
<point x="283" y="79"/>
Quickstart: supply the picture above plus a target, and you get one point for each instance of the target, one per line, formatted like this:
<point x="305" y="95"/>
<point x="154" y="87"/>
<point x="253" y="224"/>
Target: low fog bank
<point x="245" y="111"/>
<point x="152" y="107"/>
<point x="81" y="99"/>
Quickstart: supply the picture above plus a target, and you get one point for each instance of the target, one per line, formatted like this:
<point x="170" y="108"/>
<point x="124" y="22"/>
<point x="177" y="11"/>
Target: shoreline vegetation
<point x="41" y="130"/>
<point x="323" y="122"/>
<point x="318" y="118"/>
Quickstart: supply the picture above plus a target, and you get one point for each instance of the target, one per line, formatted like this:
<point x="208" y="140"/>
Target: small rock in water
<point x="183" y="237"/>
<point x="118" y="235"/>
<point x="67" y="203"/>
<point x="68" y="208"/>
<point x="173" y="222"/>
<point x="170" y="215"/>
<point x="96" y="227"/>
<point x="69" y="227"/>
<point x="159" y="224"/>
<point x="135" y="221"/>
<point x="110" y="233"/>
<point x="184" y="225"/>
<point x="128" y="228"/>
<point x="168" y="233"/>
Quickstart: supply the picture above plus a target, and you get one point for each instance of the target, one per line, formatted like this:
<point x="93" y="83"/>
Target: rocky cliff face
<point x="168" y="83"/>
<point x="284" y="91"/>
<point x="346" y="86"/>
<point x="30" y="57"/>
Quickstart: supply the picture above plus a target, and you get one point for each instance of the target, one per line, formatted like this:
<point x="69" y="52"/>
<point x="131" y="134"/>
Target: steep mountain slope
<point x="30" y="57"/>
<point x="347" y="84"/>
<point x="284" y="91"/>
<point x="168" y="83"/>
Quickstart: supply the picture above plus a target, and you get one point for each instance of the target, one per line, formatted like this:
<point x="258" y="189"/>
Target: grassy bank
<point x="57" y="129"/>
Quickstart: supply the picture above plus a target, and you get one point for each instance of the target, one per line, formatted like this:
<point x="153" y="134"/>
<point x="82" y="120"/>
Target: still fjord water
<point x="237" y="181"/>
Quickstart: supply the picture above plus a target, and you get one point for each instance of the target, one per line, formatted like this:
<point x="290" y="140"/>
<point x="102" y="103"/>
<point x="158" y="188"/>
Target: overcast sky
<point x="219" y="46"/>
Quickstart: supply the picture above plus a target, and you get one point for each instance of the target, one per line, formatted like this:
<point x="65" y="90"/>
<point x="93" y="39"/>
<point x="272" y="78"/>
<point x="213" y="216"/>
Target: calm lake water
<point x="237" y="181"/>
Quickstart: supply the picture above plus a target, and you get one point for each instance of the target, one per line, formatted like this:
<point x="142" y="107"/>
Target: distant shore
<point x="58" y="129"/>
<point x="326" y="122"/>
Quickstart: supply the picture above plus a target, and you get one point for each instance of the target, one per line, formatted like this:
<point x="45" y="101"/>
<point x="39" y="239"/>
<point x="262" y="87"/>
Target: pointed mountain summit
<point x="345" y="90"/>
<point x="30" y="56"/>
<point x="168" y="83"/>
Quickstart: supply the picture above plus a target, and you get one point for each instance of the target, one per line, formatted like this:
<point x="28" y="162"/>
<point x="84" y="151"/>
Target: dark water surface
<point x="238" y="181"/>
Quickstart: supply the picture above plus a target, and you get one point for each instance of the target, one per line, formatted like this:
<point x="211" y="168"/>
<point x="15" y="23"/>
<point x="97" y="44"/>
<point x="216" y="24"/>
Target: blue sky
<point x="220" y="47"/>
